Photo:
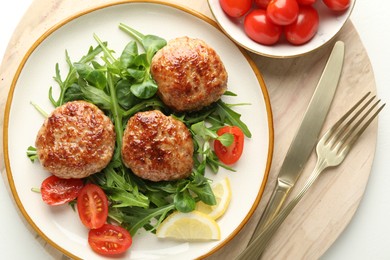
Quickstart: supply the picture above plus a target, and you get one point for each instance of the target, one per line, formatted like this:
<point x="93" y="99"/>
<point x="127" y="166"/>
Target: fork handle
<point x="257" y="247"/>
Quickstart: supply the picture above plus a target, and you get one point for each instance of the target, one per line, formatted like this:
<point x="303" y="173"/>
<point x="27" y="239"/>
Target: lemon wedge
<point x="192" y="226"/>
<point x="223" y="194"/>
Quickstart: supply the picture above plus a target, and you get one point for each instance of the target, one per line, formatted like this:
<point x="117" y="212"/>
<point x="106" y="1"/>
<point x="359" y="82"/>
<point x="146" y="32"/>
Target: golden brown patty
<point x="76" y="140"/>
<point x="189" y="73"/>
<point x="157" y="147"/>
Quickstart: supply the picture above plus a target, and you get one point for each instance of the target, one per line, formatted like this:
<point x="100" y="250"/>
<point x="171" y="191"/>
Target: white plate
<point x="330" y="24"/>
<point x="60" y="225"/>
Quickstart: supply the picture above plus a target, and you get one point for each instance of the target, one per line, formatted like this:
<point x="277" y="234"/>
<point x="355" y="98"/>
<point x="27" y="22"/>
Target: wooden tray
<point x="329" y="206"/>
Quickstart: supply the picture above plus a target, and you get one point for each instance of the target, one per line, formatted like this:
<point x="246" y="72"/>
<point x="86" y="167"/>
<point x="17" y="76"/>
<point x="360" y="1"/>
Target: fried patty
<point x="76" y="140"/>
<point x="157" y="147"/>
<point x="189" y="73"/>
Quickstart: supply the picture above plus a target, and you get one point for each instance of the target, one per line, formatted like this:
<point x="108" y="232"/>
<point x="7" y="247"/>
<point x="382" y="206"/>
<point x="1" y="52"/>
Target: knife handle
<point x="273" y="207"/>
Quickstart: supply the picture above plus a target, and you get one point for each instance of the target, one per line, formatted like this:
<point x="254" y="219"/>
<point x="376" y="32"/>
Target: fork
<point x="331" y="150"/>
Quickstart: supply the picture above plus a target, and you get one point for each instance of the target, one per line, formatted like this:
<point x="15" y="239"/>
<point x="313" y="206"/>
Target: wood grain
<point x="331" y="203"/>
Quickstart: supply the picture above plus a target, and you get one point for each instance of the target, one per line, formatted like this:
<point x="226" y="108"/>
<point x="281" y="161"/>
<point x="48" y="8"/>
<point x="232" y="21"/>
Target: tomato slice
<point x="92" y="205"/>
<point x="231" y="154"/>
<point x="57" y="191"/>
<point x="109" y="239"/>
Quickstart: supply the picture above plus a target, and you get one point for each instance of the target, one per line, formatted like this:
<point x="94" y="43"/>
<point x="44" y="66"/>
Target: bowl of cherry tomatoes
<point x="281" y="28"/>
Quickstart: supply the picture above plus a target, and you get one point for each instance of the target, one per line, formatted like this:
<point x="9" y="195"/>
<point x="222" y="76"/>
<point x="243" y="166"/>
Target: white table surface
<point x="368" y="234"/>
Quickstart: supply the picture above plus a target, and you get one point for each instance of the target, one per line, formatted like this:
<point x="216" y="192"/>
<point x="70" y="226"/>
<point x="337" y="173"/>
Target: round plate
<point x="330" y="24"/>
<point x="60" y="225"/>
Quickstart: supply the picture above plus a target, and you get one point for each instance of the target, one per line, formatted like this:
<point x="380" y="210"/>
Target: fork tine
<point x="349" y="126"/>
<point x="351" y="130"/>
<point x="335" y="131"/>
<point x="354" y="135"/>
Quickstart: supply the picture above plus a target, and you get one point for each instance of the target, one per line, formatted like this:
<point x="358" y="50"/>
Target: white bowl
<point x="330" y="24"/>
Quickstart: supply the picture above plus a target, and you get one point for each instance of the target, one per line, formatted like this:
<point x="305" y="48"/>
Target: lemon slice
<point x="223" y="194"/>
<point x="192" y="226"/>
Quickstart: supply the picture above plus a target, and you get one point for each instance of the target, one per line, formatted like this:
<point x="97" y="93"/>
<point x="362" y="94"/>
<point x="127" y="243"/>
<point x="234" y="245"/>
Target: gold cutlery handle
<point x="274" y="205"/>
<point x="257" y="247"/>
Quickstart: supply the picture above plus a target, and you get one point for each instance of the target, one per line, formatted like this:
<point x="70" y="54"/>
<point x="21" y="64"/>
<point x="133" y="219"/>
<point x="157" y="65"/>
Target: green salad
<point x="121" y="85"/>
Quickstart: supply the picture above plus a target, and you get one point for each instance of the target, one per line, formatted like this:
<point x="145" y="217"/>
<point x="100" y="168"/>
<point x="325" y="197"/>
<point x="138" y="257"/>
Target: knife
<point x="306" y="136"/>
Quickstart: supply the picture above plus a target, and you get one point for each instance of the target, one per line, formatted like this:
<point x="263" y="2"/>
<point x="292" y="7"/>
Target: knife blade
<point x="306" y="136"/>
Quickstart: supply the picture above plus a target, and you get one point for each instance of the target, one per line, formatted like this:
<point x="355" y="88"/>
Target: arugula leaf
<point x="134" y="218"/>
<point x="232" y="117"/>
<point x="71" y="77"/>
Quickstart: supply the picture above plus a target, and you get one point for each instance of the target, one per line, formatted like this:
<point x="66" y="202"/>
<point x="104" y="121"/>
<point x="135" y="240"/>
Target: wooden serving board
<point x="329" y="206"/>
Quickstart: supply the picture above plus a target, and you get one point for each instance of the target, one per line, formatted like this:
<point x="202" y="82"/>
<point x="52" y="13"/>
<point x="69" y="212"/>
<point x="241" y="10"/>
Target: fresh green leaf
<point x="122" y="198"/>
<point x="152" y="44"/>
<point x="184" y="202"/>
<point x="232" y="117"/>
<point x="144" y="90"/>
<point x="32" y="153"/>
<point x="226" y="139"/>
<point x="135" y="218"/>
<point x="96" y="96"/>
<point x="201" y="130"/>
<point x="73" y="92"/>
<point x="128" y="54"/>
<point x="205" y="193"/>
<point x="94" y="77"/>
<point x="125" y="97"/>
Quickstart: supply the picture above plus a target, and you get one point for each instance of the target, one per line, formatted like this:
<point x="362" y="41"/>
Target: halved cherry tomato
<point x="230" y="154"/>
<point x="337" y="5"/>
<point x="235" y="8"/>
<point x="260" y="28"/>
<point x="283" y="12"/>
<point x="92" y="205"/>
<point x="57" y="191"/>
<point x="109" y="239"/>
<point x="262" y="3"/>
<point x="304" y="28"/>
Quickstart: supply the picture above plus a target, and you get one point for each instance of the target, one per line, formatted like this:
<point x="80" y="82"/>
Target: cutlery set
<point x="331" y="149"/>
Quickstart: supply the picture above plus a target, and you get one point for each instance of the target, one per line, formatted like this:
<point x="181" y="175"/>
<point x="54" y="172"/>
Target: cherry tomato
<point x="92" y="205"/>
<point x="283" y="12"/>
<point x="262" y="3"/>
<point x="337" y="5"/>
<point x="304" y="28"/>
<point x="230" y="154"/>
<point x="57" y="191"/>
<point x="260" y="28"/>
<point x="109" y="239"/>
<point x="306" y="2"/>
<point x="235" y="8"/>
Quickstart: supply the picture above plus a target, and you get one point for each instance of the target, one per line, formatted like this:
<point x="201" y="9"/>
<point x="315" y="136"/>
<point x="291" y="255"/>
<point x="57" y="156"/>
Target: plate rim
<point x="76" y="15"/>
